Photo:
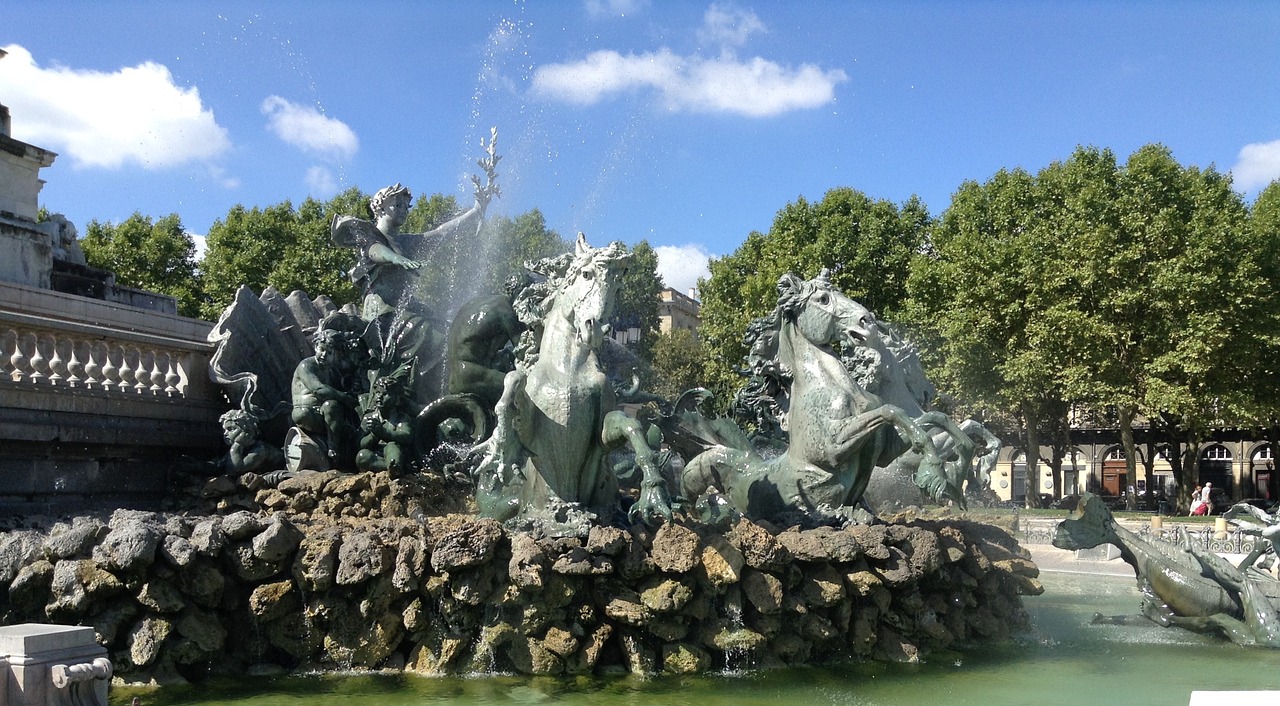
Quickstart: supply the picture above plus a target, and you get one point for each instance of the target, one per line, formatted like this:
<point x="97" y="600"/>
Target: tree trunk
<point x="1031" y="443"/>
<point x="1181" y="470"/>
<point x="1127" y="413"/>
<point x="1190" y="467"/>
<point x="1149" y="470"/>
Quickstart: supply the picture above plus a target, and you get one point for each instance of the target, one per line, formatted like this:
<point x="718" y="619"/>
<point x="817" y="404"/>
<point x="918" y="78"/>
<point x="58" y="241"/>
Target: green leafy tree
<point x="677" y="363"/>
<point x="430" y="211"/>
<point x="637" y="299"/>
<point x="1101" y="285"/>
<point x="243" y="248"/>
<point x="1262" y="335"/>
<point x="977" y="293"/>
<point x="156" y="256"/>
<point x="1160" y="306"/>
<point x="280" y="247"/>
<point x="513" y="242"/>
<point x="866" y="244"/>
<point x="313" y="263"/>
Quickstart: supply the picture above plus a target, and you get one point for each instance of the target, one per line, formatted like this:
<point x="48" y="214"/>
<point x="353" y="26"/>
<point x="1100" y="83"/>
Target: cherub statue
<point x="246" y="452"/>
<point x="390" y="425"/>
<point x="325" y="388"/>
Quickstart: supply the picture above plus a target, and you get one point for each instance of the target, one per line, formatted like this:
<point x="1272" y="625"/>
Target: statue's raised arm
<point x="485" y="191"/>
<point x="386" y="254"/>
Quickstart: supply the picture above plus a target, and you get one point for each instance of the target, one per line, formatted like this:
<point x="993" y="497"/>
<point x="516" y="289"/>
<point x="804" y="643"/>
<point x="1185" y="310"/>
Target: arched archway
<point x="1262" y="464"/>
<point x="1075" y="472"/>
<point x="1162" y="470"/>
<point x="1115" y="472"/>
<point x="1215" y="467"/>
<point x="1018" y="477"/>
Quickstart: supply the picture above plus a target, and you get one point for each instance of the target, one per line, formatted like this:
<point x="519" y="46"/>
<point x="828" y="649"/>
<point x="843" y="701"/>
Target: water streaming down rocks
<point x="330" y="571"/>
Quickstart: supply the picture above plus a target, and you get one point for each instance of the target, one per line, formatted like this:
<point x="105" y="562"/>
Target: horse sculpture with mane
<point x="546" y="462"/>
<point x="888" y="366"/>
<point x="838" y="431"/>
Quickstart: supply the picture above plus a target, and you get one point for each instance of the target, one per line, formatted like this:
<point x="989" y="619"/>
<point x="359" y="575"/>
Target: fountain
<point x="332" y="535"/>
<point x="335" y="535"/>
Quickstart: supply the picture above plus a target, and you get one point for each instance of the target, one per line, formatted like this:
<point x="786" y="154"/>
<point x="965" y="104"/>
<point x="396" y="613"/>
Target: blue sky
<point x="687" y="124"/>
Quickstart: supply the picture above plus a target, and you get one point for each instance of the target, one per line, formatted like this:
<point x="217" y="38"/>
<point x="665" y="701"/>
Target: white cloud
<point x="1257" y="165"/>
<point x="754" y="87"/>
<point x="681" y="266"/>
<point x="96" y="119"/>
<point x="727" y="26"/>
<point x="320" y="182"/>
<point x="309" y="130"/>
<point x="614" y="8"/>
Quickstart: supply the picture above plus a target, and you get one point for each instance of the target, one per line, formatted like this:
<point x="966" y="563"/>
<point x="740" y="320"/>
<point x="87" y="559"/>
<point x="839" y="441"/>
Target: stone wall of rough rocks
<point x="360" y="585"/>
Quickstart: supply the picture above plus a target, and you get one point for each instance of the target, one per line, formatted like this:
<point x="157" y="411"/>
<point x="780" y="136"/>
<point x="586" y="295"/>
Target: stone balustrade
<point x="98" y="398"/>
<point x="97" y="360"/>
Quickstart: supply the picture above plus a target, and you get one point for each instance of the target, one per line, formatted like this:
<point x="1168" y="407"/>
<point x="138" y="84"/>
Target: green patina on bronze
<point x="837" y="431"/>
<point x="1182" y="586"/>
<point x="546" y="462"/>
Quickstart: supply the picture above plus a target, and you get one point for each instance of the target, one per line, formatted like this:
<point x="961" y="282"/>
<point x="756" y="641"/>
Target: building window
<point x="1217" y="452"/>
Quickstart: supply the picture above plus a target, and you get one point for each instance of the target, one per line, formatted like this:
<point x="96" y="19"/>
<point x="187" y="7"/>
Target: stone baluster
<point x="110" y="371"/>
<point x="127" y="354"/>
<point x="142" y="372"/>
<point x="75" y="368"/>
<point x="156" y="371"/>
<point x="171" y="378"/>
<point x="8" y="343"/>
<point x="19" y="359"/>
<point x="94" y="353"/>
<point x="57" y="364"/>
<point x="186" y="363"/>
<point x="39" y="364"/>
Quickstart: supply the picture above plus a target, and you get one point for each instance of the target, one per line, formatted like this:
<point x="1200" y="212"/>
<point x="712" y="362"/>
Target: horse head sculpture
<point x="556" y="420"/>
<point x="838" y="432"/>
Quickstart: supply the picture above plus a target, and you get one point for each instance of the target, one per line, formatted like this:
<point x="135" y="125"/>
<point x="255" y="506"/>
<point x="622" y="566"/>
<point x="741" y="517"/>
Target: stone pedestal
<point x="52" y="665"/>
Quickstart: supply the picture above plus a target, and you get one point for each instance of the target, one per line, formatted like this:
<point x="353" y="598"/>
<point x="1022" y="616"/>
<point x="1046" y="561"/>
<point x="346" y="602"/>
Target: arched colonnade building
<point x="1243" y="467"/>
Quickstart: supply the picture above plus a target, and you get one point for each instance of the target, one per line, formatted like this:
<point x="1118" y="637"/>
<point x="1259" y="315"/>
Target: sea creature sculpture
<point x="838" y="432"/>
<point x="546" y="462"/>
<point x="1181" y="586"/>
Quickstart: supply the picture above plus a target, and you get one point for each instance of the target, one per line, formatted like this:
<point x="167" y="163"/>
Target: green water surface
<point x="1063" y="660"/>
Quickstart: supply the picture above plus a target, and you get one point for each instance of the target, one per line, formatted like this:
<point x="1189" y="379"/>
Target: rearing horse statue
<point x="545" y="463"/>
<point x="838" y="432"/>
<point x="888" y="365"/>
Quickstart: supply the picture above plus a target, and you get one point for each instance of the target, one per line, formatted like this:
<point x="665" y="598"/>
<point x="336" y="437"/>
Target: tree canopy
<point x="1121" y="288"/>
<point x="677" y="363"/>
<point x="866" y="244"/>
<point x="156" y="256"/>
<point x="280" y="247"/>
